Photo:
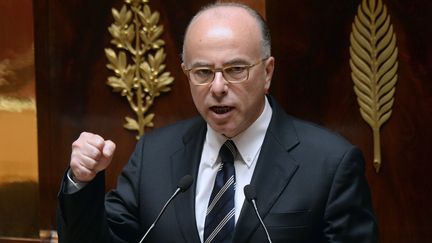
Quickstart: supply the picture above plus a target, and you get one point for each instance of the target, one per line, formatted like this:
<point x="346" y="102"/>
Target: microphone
<point x="250" y="194"/>
<point x="184" y="184"/>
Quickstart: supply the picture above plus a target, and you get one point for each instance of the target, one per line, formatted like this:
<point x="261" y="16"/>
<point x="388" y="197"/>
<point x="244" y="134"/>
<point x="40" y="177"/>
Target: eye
<point x="233" y="70"/>
<point x="202" y="72"/>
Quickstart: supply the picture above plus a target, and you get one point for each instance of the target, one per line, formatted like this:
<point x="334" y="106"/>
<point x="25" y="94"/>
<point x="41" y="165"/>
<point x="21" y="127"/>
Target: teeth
<point x="221" y="109"/>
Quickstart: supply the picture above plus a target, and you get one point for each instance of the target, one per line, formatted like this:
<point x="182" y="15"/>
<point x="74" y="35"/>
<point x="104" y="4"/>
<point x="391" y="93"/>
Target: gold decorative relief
<point x="374" y="67"/>
<point x="138" y="63"/>
<point x="17" y="81"/>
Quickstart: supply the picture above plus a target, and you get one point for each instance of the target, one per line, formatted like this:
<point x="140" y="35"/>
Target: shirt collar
<point x="248" y="142"/>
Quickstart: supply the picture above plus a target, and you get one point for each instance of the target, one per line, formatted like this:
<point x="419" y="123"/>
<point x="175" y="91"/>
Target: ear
<point x="183" y="66"/>
<point x="269" y="68"/>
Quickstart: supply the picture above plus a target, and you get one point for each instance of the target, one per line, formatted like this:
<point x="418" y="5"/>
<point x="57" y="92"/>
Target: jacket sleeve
<point x="81" y="215"/>
<point x="349" y="215"/>
<point x="89" y="215"/>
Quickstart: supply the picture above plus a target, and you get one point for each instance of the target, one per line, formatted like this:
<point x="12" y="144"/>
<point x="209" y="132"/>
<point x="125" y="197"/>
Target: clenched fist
<point x="90" y="154"/>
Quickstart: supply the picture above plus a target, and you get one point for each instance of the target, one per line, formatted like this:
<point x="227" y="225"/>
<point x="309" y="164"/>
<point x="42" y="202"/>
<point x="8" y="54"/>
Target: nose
<point x="219" y="86"/>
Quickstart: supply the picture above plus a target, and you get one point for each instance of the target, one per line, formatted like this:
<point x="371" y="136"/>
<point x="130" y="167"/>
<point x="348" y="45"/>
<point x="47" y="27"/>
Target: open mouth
<point x="221" y="109"/>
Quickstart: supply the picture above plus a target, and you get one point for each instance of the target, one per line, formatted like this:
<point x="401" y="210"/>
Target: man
<point x="310" y="184"/>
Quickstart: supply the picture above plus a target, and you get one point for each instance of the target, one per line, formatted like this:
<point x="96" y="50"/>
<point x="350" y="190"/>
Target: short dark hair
<point x="265" y="31"/>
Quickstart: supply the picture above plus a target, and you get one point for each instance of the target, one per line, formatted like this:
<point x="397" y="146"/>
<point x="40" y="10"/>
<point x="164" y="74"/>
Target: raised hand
<point x="90" y="155"/>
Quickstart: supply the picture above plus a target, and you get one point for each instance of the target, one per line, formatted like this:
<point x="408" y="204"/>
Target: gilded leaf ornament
<point x="374" y="67"/>
<point x="138" y="61"/>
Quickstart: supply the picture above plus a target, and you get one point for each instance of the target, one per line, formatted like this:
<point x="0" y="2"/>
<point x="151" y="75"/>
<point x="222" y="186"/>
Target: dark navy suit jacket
<point x="310" y="187"/>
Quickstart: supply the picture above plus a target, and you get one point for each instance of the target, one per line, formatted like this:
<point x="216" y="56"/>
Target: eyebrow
<point x="235" y="61"/>
<point x="200" y="64"/>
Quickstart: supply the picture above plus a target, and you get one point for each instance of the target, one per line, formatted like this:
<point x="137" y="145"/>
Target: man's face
<point x="217" y="41"/>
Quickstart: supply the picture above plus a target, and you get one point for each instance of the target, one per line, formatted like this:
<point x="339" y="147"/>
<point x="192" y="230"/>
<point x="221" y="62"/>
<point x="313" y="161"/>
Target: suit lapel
<point x="272" y="173"/>
<point x="185" y="162"/>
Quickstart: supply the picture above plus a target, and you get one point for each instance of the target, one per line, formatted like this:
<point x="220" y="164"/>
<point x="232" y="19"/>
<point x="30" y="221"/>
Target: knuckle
<point x="92" y="166"/>
<point x="95" y="154"/>
<point x="99" y="142"/>
<point x="76" y="144"/>
<point x="85" y="134"/>
<point x="75" y="163"/>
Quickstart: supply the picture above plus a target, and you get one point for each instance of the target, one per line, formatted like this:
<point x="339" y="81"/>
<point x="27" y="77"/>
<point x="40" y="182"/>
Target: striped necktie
<point x="219" y="222"/>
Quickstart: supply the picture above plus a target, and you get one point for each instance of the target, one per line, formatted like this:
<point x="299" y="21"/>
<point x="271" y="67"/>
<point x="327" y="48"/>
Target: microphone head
<point x="249" y="192"/>
<point x="185" y="182"/>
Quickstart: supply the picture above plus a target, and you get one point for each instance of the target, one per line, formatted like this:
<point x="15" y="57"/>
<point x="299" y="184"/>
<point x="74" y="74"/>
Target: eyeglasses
<point x="232" y="74"/>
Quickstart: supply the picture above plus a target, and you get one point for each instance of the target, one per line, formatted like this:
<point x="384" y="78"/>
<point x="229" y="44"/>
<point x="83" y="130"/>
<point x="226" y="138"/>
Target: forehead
<point x="231" y="16"/>
<point x="223" y="29"/>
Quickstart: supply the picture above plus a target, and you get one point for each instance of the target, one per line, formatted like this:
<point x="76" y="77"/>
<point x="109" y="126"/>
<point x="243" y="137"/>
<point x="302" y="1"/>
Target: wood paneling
<point x="312" y="80"/>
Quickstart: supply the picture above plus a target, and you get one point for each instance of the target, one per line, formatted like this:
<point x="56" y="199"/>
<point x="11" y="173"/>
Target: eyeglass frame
<point x="221" y="70"/>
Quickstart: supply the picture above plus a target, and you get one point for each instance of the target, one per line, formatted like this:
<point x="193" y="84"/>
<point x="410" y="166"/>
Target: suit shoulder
<point x="322" y="148"/>
<point x="291" y="130"/>
<point x="319" y="136"/>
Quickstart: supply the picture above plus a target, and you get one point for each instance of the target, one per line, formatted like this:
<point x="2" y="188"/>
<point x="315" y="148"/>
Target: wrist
<point x="77" y="183"/>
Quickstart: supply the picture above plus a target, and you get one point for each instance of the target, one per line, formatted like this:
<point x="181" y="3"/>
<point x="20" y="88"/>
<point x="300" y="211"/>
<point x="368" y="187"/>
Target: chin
<point x="227" y="132"/>
<point x="222" y="129"/>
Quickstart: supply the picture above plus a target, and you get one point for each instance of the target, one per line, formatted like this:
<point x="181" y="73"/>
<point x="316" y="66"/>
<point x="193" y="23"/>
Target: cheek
<point x="255" y="89"/>
<point x="195" y="91"/>
<point x="198" y="96"/>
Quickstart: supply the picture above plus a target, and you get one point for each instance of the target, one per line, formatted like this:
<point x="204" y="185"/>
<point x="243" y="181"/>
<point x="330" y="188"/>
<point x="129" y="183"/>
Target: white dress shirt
<point x="248" y="144"/>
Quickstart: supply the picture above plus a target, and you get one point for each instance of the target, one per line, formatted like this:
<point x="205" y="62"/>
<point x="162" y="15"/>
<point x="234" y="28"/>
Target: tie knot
<point x="228" y="152"/>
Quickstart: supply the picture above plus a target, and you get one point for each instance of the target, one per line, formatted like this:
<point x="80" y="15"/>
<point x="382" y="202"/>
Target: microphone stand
<point x="250" y="195"/>
<point x="160" y="214"/>
<point x="184" y="184"/>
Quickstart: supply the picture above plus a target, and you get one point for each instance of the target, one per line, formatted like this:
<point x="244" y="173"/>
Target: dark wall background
<point x="312" y="81"/>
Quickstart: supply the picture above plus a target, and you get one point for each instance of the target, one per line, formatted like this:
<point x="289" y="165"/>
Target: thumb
<point x="107" y="155"/>
<point x="108" y="149"/>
